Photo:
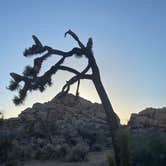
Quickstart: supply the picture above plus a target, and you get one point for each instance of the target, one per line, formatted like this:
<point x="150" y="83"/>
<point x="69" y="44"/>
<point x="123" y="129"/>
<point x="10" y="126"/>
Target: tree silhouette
<point x="32" y="81"/>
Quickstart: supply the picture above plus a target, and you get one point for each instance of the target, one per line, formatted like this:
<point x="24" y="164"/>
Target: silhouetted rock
<point x="149" y="118"/>
<point x="65" y="129"/>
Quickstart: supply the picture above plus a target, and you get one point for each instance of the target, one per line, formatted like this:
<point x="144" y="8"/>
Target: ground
<point x="93" y="159"/>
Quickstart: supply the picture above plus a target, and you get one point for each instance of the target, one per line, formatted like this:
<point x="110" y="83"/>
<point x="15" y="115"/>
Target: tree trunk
<point x="111" y="116"/>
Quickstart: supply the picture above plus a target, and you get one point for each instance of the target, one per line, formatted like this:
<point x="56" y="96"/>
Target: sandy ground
<point x="93" y="159"/>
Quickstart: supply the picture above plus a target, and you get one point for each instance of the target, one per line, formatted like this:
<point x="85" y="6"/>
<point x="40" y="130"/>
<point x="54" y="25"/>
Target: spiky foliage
<point x="123" y="140"/>
<point x="111" y="161"/>
<point x="28" y="71"/>
<point x="31" y="79"/>
<point x="36" y="48"/>
<point x="13" y="85"/>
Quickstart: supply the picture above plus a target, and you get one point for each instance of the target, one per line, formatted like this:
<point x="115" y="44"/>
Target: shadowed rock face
<point x="66" y="128"/>
<point x="149" y="118"/>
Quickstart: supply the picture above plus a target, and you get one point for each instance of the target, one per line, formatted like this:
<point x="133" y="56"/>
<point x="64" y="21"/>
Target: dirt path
<point x="94" y="159"/>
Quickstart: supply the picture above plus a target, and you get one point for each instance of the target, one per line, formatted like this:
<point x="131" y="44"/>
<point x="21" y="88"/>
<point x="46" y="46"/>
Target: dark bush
<point x="141" y="148"/>
<point x="149" y="149"/>
<point x="123" y="140"/>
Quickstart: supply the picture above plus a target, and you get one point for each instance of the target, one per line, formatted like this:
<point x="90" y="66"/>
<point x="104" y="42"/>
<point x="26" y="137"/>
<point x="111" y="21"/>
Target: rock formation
<point x="65" y="129"/>
<point x="149" y="118"/>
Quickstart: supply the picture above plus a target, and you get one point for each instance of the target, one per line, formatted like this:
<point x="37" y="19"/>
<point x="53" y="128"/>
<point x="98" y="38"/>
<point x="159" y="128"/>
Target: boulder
<point x="149" y="118"/>
<point x="64" y="129"/>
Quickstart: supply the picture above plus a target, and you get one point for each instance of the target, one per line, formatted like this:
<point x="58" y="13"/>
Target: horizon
<point x="129" y="46"/>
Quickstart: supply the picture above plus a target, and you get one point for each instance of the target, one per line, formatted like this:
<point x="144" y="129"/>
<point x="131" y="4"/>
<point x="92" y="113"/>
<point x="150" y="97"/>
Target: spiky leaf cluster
<point x="22" y="95"/>
<point x="13" y="85"/>
<point x="79" y="55"/>
<point x="17" y="100"/>
<point x="36" y="48"/>
<point x="28" y="71"/>
<point x="30" y="80"/>
<point x="49" y="82"/>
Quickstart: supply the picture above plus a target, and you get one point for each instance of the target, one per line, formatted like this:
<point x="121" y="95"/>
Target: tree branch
<point x="66" y="68"/>
<point x="30" y="75"/>
<point x="34" y="83"/>
<point x="75" y="38"/>
<point x="77" y="90"/>
<point x="74" y="79"/>
<point x="34" y="71"/>
<point x="75" y="50"/>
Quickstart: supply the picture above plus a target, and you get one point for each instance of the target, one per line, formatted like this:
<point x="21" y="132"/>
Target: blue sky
<point x="129" y="46"/>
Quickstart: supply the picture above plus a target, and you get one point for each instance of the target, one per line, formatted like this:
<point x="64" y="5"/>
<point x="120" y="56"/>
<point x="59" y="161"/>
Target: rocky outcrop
<point x="64" y="129"/>
<point x="149" y="118"/>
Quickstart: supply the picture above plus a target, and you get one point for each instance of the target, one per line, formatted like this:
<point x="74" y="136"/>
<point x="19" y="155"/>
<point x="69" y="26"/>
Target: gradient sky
<point x="129" y="46"/>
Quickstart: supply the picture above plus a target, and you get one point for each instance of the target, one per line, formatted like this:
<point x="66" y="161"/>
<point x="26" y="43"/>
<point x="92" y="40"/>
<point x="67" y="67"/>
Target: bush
<point x="149" y="149"/>
<point x="78" y="153"/>
<point x="111" y="161"/>
<point x="123" y="140"/>
<point x="5" y="147"/>
<point x="13" y="163"/>
<point x="141" y="148"/>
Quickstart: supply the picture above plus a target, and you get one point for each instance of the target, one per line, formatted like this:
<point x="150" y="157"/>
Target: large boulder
<point x="149" y="118"/>
<point x="66" y="128"/>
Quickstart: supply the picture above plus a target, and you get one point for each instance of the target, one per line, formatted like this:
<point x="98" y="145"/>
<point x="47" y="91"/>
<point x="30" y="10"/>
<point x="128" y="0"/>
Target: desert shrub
<point x="13" y="163"/>
<point x="78" y="153"/>
<point x="5" y="147"/>
<point x="62" y="151"/>
<point x="141" y="148"/>
<point x="149" y="149"/>
<point x="123" y="140"/>
<point x="111" y="161"/>
<point x="97" y="147"/>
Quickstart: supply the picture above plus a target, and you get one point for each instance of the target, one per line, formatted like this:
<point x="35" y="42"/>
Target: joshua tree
<point x="32" y="81"/>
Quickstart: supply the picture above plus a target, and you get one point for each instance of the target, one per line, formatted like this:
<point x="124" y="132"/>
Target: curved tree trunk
<point x="110" y="114"/>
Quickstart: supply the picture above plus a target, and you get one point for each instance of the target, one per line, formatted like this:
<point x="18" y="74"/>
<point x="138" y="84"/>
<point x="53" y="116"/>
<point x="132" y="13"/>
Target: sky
<point x="129" y="46"/>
